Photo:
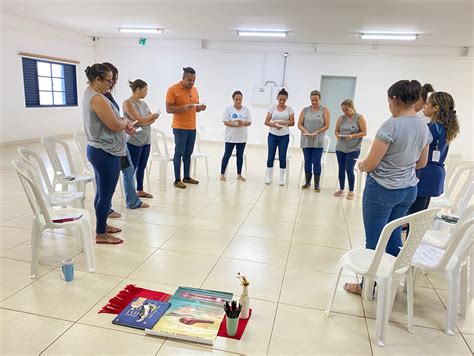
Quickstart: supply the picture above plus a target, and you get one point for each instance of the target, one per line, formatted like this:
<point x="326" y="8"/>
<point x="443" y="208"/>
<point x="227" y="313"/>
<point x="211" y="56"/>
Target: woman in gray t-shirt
<point x="350" y="128"/>
<point x="135" y="109"/>
<point x="313" y="124"/>
<point x="401" y="146"/>
<point x="105" y="131"/>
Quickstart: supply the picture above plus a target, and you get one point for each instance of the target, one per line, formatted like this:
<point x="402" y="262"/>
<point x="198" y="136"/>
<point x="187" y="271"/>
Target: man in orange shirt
<point x="182" y="100"/>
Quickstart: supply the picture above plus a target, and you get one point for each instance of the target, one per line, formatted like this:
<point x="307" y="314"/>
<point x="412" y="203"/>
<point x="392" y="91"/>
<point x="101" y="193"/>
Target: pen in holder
<point x="232" y="312"/>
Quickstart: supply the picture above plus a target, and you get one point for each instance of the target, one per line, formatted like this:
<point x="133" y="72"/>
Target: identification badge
<point x="436" y="156"/>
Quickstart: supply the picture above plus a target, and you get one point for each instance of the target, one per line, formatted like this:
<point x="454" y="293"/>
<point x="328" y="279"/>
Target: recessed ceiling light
<point x="141" y="30"/>
<point x="250" y="33"/>
<point x="389" y="36"/>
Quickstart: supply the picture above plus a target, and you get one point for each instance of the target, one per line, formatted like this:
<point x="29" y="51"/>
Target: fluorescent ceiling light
<point x="249" y="33"/>
<point x="141" y="30"/>
<point x="389" y="36"/>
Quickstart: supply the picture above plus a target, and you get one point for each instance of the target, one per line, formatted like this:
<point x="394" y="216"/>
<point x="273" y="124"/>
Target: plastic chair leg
<point x="148" y="171"/>
<point x="463" y="291"/>
<point x="207" y="168"/>
<point x="333" y="291"/>
<point x="287" y="171"/>
<point x="163" y="172"/>
<point x="383" y="307"/>
<point x="36" y="246"/>
<point x="410" y="287"/>
<point x="453" y="294"/>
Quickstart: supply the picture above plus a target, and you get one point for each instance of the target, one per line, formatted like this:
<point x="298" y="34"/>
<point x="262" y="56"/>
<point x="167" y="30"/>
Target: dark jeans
<point x="139" y="156"/>
<point x="107" y="171"/>
<point x="380" y="206"/>
<point x="239" y="150"/>
<point x="421" y="203"/>
<point x="281" y="142"/>
<point x="312" y="160"/>
<point x="183" y="149"/>
<point x="346" y="163"/>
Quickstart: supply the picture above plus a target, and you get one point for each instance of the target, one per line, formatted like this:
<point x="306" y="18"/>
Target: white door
<point x="334" y="90"/>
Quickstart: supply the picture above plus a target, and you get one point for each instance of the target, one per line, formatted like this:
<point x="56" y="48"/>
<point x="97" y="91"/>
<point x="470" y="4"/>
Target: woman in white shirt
<point x="279" y="118"/>
<point x="236" y="120"/>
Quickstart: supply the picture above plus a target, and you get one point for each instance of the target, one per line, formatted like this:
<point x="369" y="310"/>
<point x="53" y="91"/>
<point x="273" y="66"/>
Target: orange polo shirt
<point x="178" y="95"/>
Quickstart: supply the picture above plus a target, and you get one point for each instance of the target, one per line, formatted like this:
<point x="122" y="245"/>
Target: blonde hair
<point x="446" y="115"/>
<point x="349" y="103"/>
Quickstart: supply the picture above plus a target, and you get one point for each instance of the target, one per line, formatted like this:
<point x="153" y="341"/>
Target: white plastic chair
<point x="198" y="154"/>
<point x="455" y="191"/>
<point x="81" y="141"/>
<point x="453" y="262"/>
<point x="37" y="172"/>
<point x="64" y="174"/>
<point x="450" y="164"/>
<point x="386" y="269"/>
<point x="44" y="218"/>
<point x="324" y="159"/>
<point x="162" y="156"/>
<point x="364" y="151"/>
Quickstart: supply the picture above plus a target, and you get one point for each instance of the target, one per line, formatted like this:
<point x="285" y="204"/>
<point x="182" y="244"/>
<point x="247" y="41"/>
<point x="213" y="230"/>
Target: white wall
<point x="19" y="34"/>
<point x="222" y="68"/>
<point x="221" y="71"/>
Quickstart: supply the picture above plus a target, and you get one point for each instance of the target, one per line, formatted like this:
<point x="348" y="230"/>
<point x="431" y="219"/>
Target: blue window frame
<point x="49" y="84"/>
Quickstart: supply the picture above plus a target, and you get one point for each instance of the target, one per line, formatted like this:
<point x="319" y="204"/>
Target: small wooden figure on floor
<point x="244" y="297"/>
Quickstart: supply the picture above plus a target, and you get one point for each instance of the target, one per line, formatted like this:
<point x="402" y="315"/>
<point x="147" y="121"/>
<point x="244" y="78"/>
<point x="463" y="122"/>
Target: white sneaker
<point x="282" y="176"/>
<point x="269" y="176"/>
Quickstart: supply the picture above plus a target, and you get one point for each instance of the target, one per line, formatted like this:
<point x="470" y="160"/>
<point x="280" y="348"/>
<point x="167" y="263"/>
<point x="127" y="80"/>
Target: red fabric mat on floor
<point x="126" y="295"/>
<point x="240" y="329"/>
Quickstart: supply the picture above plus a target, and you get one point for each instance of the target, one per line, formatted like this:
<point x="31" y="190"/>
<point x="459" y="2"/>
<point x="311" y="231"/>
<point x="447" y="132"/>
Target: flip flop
<point x="113" y="230"/>
<point x="144" y="205"/>
<point x="114" y="215"/>
<point x="146" y="195"/>
<point x="354" y="288"/>
<point x="109" y="240"/>
<point x="339" y="193"/>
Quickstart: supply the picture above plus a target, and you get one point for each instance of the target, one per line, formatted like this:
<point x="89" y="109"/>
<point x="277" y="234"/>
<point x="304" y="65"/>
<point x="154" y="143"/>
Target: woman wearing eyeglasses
<point x="106" y="134"/>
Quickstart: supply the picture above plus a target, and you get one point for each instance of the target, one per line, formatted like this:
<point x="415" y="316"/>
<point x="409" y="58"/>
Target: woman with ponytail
<point x="444" y="128"/>
<point x="400" y="147"/>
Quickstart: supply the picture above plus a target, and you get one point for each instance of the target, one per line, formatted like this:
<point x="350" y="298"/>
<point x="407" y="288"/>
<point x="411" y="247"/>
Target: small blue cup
<point x="68" y="270"/>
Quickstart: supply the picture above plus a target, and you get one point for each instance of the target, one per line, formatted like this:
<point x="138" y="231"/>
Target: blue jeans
<point x="128" y="178"/>
<point x="239" y="153"/>
<point x="312" y="160"/>
<point x="346" y="163"/>
<point x="281" y="142"/>
<point x="107" y="171"/>
<point x="380" y="206"/>
<point x="139" y="155"/>
<point x="183" y="149"/>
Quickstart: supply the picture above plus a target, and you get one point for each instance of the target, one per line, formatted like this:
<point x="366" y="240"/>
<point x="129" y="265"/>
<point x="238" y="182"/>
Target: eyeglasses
<point x="110" y="81"/>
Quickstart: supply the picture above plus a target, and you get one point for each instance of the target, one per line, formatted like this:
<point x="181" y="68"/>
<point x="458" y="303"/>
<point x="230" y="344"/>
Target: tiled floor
<point x="286" y="241"/>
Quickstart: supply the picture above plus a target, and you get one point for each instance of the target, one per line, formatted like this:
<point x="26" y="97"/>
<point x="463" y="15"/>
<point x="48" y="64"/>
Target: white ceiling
<point x="439" y="22"/>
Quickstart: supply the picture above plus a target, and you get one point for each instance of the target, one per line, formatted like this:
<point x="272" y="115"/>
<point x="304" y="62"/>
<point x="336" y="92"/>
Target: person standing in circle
<point x="236" y="120"/>
<point x="182" y="100"/>
<point x="350" y="128"/>
<point x="137" y="110"/>
<point x="444" y="128"/>
<point x="279" y="118"/>
<point x="313" y="122"/>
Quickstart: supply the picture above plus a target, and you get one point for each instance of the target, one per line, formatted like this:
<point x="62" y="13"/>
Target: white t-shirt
<point x="236" y="134"/>
<point x="280" y="115"/>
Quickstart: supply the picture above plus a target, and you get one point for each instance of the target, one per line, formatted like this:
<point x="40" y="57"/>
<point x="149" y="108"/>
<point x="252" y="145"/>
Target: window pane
<point x="46" y="98"/>
<point x="58" y="84"/>
<point x="59" y="98"/>
<point x="44" y="83"/>
<point x="57" y="70"/>
<point x="44" y="69"/>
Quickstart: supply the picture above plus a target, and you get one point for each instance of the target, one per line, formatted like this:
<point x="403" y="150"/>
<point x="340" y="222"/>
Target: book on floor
<point x="194" y="315"/>
<point x="141" y="313"/>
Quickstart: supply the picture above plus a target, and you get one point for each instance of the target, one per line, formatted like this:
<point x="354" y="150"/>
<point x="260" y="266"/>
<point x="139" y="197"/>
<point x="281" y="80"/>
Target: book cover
<point x="141" y="313"/>
<point x="194" y="315"/>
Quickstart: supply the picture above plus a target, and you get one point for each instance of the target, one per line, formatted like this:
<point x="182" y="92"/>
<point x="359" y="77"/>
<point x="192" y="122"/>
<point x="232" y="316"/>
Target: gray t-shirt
<point x="349" y="127"/>
<point x="142" y="137"/>
<point x="406" y="137"/>
<point x="98" y="134"/>
<point x="313" y="120"/>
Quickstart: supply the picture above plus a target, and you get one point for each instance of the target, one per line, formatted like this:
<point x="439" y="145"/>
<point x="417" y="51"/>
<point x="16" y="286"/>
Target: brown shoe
<point x="179" y="184"/>
<point x="190" y="180"/>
